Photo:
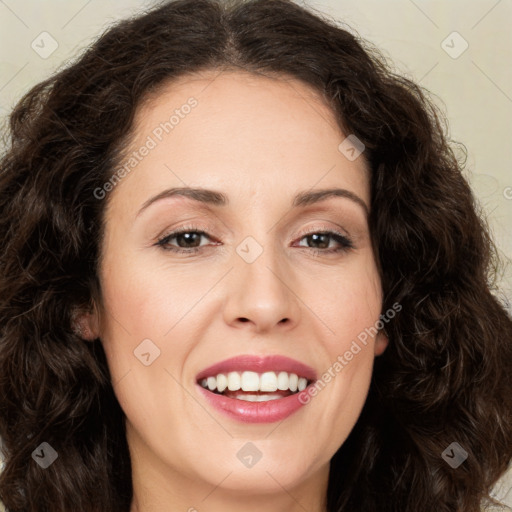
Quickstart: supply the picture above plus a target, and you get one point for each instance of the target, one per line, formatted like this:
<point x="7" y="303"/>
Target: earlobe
<point x="381" y="342"/>
<point x="86" y="325"/>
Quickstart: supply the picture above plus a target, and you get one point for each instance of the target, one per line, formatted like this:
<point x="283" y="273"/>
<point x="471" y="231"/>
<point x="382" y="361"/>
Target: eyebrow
<point x="215" y="198"/>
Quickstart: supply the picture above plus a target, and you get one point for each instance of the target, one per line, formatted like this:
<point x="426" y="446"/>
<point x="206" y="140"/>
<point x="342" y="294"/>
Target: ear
<point x="381" y="342"/>
<point x="85" y="324"/>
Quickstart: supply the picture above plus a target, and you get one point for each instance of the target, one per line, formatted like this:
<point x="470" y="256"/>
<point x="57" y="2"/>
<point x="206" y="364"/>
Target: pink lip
<point x="257" y="412"/>
<point x="259" y="364"/>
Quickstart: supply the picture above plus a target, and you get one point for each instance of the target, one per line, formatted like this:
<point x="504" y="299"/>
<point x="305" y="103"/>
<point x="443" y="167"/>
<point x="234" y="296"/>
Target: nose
<point x="262" y="294"/>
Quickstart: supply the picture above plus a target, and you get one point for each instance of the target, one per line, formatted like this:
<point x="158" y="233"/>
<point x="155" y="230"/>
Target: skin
<point x="258" y="140"/>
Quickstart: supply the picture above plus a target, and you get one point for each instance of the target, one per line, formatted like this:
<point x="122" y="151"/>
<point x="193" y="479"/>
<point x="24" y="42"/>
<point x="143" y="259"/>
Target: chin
<point x="266" y="476"/>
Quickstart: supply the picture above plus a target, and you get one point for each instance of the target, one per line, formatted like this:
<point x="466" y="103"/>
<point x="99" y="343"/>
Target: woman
<point x="172" y="336"/>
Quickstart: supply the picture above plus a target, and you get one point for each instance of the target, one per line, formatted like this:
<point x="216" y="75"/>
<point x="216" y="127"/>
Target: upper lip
<point x="259" y="364"/>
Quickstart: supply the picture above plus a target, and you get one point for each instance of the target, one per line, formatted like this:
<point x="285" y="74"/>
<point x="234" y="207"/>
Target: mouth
<point x="255" y="387"/>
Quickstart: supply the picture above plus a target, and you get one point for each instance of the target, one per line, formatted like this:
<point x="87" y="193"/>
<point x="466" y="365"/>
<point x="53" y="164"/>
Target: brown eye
<point x="186" y="240"/>
<point x="321" y="240"/>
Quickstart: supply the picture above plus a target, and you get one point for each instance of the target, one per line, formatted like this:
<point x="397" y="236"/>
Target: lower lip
<point x="254" y="412"/>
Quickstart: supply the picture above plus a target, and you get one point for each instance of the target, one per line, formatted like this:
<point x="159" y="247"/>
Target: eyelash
<point x="346" y="243"/>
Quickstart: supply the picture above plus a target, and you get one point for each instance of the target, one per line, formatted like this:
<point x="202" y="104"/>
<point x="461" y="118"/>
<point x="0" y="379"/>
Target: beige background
<point x="474" y="87"/>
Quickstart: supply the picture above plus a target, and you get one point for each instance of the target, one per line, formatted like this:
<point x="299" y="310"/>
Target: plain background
<point x="473" y="87"/>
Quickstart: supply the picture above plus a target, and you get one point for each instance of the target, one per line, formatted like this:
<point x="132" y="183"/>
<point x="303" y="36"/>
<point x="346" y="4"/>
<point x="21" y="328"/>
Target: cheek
<point x="354" y="306"/>
<point x="142" y="300"/>
<point x="145" y="302"/>
<point x="138" y="313"/>
<point x="351" y="315"/>
<point x="129" y="316"/>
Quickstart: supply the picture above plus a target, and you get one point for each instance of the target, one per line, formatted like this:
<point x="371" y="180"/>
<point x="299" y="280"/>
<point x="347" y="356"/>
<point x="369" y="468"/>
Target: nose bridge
<point x="260" y="262"/>
<point x="260" y="287"/>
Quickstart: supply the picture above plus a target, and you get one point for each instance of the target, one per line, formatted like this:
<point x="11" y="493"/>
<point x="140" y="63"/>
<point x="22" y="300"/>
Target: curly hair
<point x="442" y="378"/>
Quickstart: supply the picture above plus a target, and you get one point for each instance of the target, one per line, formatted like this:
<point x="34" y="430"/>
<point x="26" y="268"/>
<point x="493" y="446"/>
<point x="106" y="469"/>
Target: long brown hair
<point x="443" y="378"/>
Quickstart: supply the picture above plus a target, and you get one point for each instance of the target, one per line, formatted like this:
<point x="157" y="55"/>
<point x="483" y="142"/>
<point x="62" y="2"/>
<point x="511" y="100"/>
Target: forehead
<point x="239" y="99"/>
<point x="260" y="131"/>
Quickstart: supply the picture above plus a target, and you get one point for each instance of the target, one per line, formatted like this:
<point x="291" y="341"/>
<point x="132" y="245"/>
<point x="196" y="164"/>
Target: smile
<point x="256" y="389"/>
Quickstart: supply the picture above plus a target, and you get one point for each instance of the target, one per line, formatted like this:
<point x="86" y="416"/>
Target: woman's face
<point x="263" y="281"/>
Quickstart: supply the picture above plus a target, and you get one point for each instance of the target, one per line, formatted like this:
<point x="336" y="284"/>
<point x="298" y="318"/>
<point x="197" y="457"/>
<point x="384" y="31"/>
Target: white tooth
<point x="258" y="398"/>
<point x="293" y="382"/>
<point x="212" y="383"/>
<point x="233" y="381"/>
<point x="250" y="381"/>
<point x="268" y="382"/>
<point x="282" y="381"/>
<point x="222" y="382"/>
<point x="248" y="398"/>
<point x="266" y="398"/>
